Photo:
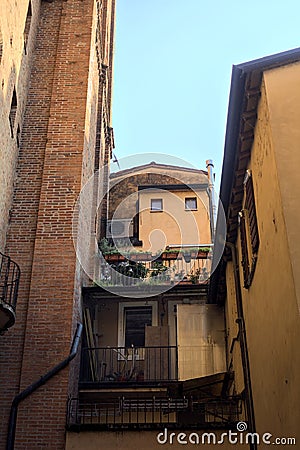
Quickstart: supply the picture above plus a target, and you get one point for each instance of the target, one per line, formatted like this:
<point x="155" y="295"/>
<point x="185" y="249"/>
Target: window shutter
<point x="245" y="257"/>
<point x="250" y="206"/>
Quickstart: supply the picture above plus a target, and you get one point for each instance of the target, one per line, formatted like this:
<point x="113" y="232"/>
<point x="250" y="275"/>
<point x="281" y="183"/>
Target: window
<point x="27" y="26"/>
<point x="1" y="44"/>
<point x="190" y="203"/>
<point x="133" y="318"/>
<point x="136" y="318"/>
<point x="13" y="111"/>
<point x="156" y="204"/>
<point x="248" y="231"/>
<point x="18" y="135"/>
<point x="250" y="208"/>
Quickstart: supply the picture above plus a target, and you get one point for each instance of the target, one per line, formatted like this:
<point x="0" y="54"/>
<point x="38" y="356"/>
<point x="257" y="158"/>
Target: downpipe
<point x="243" y="343"/>
<point x="34" y="386"/>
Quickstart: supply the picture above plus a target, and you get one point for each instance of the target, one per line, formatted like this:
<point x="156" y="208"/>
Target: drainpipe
<point x="34" y="386"/>
<point x="243" y="343"/>
<point x="211" y="194"/>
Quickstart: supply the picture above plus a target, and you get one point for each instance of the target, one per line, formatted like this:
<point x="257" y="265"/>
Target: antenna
<point x="115" y="160"/>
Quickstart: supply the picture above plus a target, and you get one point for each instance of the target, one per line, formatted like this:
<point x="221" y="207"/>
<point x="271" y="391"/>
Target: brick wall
<point x="15" y="66"/>
<point x="57" y="156"/>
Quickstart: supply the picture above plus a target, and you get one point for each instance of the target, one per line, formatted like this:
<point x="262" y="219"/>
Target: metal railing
<point x="144" y="269"/>
<point x="154" y="412"/>
<point x="9" y="280"/>
<point x="134" y="364"/>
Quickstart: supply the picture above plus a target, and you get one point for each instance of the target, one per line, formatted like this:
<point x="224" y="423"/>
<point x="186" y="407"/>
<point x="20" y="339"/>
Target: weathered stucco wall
<point x="283" y="91"/>
<point x="234" y="361"/>
<point x="270" y="306"/>
<point x="124" y="184"/>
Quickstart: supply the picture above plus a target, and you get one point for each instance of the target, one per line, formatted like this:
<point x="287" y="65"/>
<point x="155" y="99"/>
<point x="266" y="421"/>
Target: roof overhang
<point x="175" y="187"/>
<point x="241" y="120"/>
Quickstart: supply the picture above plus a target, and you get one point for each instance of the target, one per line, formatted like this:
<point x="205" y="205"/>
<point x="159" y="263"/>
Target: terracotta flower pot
<point x="115" y="257"/>
<point x="171" y="255"/>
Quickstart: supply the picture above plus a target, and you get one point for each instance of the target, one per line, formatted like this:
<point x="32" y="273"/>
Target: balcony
<point x="182" y="265"/>
<point x="154" y="413"/>
<point x="9" y="284"/>
<point x="140" y="388"/>
<point x="128" y="366"/>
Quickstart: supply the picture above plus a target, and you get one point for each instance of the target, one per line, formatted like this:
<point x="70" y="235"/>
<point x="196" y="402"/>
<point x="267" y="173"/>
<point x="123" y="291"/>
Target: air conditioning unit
<point x="119" y="228"/>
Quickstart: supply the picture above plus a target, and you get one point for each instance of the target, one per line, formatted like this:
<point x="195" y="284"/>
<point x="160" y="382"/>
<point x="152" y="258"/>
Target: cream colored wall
<point x="234" y="361"/>
<point x="124" y="193"/>
<point x="270" y="306"/>
<point x="201" y="340"/>
<point x="15" y="71"/>
<point x="174" y="225"/>
<point x="283" y="91"/>
<point x="142" y="440"/>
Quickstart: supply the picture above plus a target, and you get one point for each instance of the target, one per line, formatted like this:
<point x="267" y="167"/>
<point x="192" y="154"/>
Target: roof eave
<point x="240" y="80"/>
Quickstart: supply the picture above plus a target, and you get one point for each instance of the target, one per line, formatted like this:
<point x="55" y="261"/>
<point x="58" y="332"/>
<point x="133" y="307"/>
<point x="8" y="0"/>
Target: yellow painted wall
<point x="233" y="345"/>
<point x="174" y="225"/>
<point x="283" y="91"/>
<point x="270" y="305"/>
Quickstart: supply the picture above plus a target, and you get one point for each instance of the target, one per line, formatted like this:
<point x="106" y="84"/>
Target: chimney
<point x="212" y="201"/>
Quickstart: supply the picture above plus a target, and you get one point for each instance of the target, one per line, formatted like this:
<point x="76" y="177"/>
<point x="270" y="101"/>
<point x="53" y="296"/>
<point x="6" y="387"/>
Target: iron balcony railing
<point x="173" y="266"/>
<point x="9" y="285"/>
<point x="154" y="412"/>
<point x="134" y="364"/>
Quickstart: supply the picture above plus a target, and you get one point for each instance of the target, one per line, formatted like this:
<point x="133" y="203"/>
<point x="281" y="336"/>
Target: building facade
<point x="153" y="358"/>
<point x="56" y="75"/>
<point x="175" y="198"/>
<point x="165" y="355"/>
<point x="258" y="280"/>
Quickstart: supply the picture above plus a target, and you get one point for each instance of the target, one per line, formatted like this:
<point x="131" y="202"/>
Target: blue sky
<point x="172" y="71"/>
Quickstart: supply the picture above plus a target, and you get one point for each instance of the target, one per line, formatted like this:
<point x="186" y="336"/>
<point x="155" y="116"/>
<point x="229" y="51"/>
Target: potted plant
<point x="114" y="257"/>
<point x="196" y="253"/>
<point x="110" y="252"/>
<point x="194" y="277"/>
<point x="203" y="252"/>
<point x="169" y="253"/>
<point x="140" y="256"/>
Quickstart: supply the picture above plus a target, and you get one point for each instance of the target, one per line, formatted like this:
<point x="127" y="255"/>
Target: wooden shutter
<point x="245" y="256"/>
<point x="91" y="351"/>
<point x="250" y="206"/>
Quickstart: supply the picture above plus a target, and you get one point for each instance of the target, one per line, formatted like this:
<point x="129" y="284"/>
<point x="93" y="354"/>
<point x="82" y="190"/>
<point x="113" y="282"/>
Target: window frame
<point x="13" y="111"/>
<point x="122" y="322"/>
<point x="249" y="233"/>
<point x="185" y="204"/>
<point x="156" y="200"/>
